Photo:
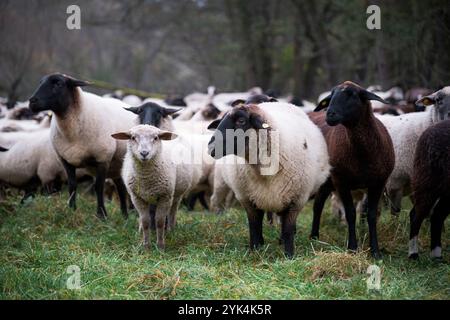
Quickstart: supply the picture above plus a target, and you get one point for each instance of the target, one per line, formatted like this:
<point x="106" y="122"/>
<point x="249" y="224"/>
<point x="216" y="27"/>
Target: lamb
<point x="154" y="176"/>
<point x="155" y="115"/>
<point x="160" y="117"/>
<point x="80" y="133"/>
<point x="405" y="131"/>
<point x="361" y="155"/>
<point x="297" y="166"/>
<point x="431" y="186"/>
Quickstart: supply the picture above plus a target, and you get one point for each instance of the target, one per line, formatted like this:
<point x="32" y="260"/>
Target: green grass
<point x="206" y="257"/>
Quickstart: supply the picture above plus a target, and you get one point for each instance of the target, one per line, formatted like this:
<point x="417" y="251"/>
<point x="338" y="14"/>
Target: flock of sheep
<point x="356" y="144"/>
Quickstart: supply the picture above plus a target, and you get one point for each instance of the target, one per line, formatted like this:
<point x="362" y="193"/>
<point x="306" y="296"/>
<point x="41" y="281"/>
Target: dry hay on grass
<point x="337" y="265"/>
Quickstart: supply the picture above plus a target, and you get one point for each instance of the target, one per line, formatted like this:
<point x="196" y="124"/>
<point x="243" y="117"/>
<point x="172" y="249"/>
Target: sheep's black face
<point x="55" y="93"/>
<point x="233" y="132"/>
<point x="347" y="103"/>
<point x="152" y="114"/>
<point x="211" y="112"/>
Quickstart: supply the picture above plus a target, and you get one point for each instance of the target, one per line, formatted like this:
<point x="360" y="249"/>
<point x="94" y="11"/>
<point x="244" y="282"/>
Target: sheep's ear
<point x="76" y="83"/>
<point x="372" y="96"/>
<point x="121" y="136"/>
<point x="273" y="100"/>
<point x="213" y="125"/>
<point x="237" y="102"/>
<point x="3" y="149"/>
<point x="170" y="111"/>
<point x="323" y="104"/>
<point x="426" y="101"/>
<point x="167" y="135"/>
<point x="135" y="110"/>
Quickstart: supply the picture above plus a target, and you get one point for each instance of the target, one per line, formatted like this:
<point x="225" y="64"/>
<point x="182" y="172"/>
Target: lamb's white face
<point x="144" y="141"/>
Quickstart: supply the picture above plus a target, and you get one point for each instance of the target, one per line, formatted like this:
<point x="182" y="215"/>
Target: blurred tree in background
<point x="177" y="46"/>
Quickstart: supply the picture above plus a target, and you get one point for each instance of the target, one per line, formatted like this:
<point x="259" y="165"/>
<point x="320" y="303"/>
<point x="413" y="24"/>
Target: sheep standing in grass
<point x="405" y="131"/>
<point x="155" y="176"/>
<point x="431" y="186"/>
<point x="297" y="163"/>
<point x="80" y="133"/>
<point x="361" y="156"/>
<point x="29" y="162"/>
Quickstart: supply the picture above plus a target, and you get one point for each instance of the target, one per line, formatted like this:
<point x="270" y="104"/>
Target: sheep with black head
<point x="361" y="156"/>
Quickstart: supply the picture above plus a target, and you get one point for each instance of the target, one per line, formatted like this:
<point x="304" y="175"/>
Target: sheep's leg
<point x="72" y="181"/>
<point x="255" y="224"/>
<point x="144" y="219"/>
<point x="350" y="216"/>
<point x="173" y="213"/>
<point x="319" y="202"/>
<point x="162" y="210"/>
<point x="152" y="214"/>
<point x="218" y="199"/>
<point x="288" y="230"/>
<point x="270" y="218"/>
<point x="30" y="189"/>
<point x="423" y="205"/>
<point x="202" y="200"/>
<point x="122" y="192"/>
<point x="99" y="187"/>
<point x="438" y="217"/>
<point x="373" y="199"/>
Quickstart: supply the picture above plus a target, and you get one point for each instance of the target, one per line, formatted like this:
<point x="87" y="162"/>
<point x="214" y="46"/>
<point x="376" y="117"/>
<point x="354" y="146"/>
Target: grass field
<point x="206" y="258"/>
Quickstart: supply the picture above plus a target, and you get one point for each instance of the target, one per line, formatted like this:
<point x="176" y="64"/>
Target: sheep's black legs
<point x="440" y="213"/>
<point x="424" y="204"/>
<point x="30" y="189"/>
<point x="350" y="215"/>
<point x="374" y="196"/>
<point x="99" y="187"/>
<point x="255" y="223"/>
<point x="152" y="212"/>
<point x="270" y="218"/>
<point x="319" y="201"/>
<point x="288" y="230"/>
<point x="72" y="181"/>
<point x="122" y="192"/>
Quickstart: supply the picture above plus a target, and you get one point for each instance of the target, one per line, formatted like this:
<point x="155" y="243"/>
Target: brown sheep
<point x="431" y="186"/>
<point x="361" y="155"/>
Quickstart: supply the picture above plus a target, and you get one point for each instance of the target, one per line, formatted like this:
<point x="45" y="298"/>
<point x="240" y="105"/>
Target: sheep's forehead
<point x="145" y="131"/>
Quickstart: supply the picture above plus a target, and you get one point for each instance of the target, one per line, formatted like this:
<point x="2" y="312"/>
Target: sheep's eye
<point x="155" y="138"/>
<point x="133" y="138"/>
<point x="241" y="121"/>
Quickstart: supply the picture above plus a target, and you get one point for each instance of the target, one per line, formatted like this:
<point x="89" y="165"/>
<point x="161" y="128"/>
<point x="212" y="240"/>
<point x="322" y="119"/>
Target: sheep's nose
<point x="144" y="154"/>
<point x="331" y="114"/>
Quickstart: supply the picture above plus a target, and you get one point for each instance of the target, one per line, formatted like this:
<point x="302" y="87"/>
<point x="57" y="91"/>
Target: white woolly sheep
<point x="405" y="131"/>
<point x="155" y="176"/>
<point x="297" y="167"/>
<point x="81" y="133"/>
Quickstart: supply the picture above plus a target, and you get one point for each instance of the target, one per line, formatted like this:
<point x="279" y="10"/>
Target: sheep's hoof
<point x="377" y="256"/>
<point x="414" y="256"/>
<point x="437" y="259"/>
<point x="313" y="237"/>
<point x="161" y="246"/>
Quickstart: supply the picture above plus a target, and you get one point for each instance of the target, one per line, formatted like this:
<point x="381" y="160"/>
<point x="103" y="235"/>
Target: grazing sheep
<point x="155" y="115"/>
<point x="405" y="131"/>
<point x="207" y="113"/>
<point x="80" y="133"/>
<point x="154" y="176"/>
<point x="431" y="186"/>
<point x="361" y="156"/>
<point x="298" y="163"/>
